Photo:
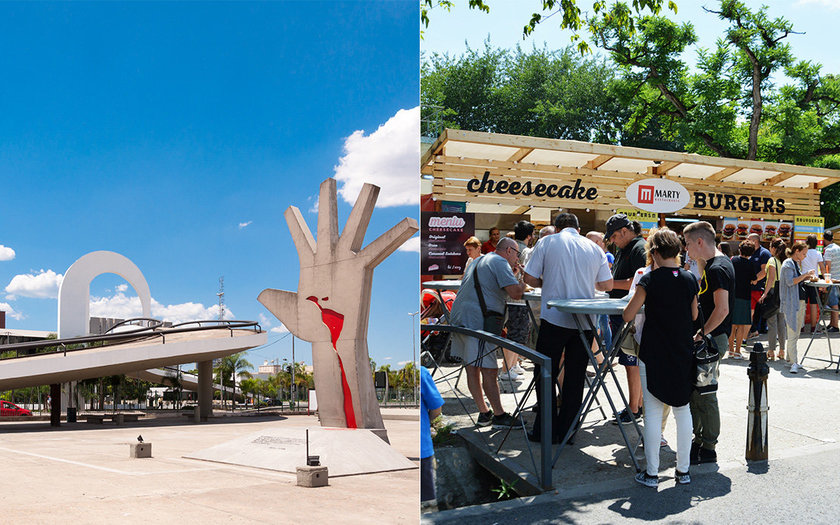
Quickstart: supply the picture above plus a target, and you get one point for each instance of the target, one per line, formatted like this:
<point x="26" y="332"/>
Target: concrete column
<point x="55" y="405"/>
<point x="205" y="389"/>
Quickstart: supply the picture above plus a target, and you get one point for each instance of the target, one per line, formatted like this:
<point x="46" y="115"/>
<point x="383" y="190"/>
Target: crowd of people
<point x="689" y="288"/>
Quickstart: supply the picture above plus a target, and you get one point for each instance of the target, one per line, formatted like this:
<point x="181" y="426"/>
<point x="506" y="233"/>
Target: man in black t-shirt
<point x="717" y="301"/>
<point x="631" y="256"/>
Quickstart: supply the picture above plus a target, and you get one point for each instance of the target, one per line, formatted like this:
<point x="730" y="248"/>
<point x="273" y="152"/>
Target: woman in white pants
<point x="792" y="299"/>
<point x="669" y="295"/>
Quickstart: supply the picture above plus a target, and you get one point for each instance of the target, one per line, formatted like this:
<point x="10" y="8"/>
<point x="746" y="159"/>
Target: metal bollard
<point x="757" y="408"/>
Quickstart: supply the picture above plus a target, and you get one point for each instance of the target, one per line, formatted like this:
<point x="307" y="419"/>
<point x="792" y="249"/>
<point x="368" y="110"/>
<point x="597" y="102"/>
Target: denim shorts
<point x="833" y="297"/>
<point x="616" y="322"/>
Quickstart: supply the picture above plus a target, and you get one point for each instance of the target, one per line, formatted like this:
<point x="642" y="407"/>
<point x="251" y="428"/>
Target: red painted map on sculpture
<point x="335" y="322"/>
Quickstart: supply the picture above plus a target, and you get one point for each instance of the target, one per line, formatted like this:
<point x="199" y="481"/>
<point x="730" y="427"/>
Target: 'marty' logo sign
<point x="646" y="194"/>
<point x="658" y="195"/>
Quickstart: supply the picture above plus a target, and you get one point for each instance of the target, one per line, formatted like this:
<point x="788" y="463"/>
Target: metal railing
<point x="155" y="331"/>
<point x="544" y="383"/>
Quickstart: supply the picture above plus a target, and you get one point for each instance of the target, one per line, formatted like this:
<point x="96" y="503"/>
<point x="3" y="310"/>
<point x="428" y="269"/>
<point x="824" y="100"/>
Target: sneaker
<point x="485" y="419"/>
<point x="704" y="456"/>
<point x="682" y="478"/>
<point x="626" y="418"/>
<point x="503" y="420"/>
<point x="694" y="453"/>
<point x="509" y="376"/>
<point x="647" y="480"/>
<point x="833" y="329"/>
<point x="518" y="369"/>
<point x="794" y="368"/>
<point x="663" y="443"/>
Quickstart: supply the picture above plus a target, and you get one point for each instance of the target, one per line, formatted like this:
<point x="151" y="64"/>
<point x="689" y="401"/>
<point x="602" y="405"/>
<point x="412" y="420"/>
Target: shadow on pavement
<point x="44" y="426"/>
<point x="671" y="499"/>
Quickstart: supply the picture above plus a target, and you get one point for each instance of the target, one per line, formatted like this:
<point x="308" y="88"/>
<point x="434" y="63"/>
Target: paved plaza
<point x="593" y="479"/>
<point x="81" y="473"/>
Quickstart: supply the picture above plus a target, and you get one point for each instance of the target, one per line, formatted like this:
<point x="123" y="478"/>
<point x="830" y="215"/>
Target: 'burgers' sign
<point x="658" y="195"/>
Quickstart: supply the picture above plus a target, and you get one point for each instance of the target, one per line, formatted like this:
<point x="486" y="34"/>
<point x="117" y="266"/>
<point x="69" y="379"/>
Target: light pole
<point x="294" y="386"/>
<point x="414" y="353"/>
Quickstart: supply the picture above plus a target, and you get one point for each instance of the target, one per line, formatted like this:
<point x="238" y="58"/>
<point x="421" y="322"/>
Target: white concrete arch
<point x="74" y="292"/>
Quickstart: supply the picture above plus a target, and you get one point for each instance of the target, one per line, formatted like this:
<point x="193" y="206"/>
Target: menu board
<point x="647" y="219"/>
<point x="805" y="226"/>
<point x="442" y="238"/>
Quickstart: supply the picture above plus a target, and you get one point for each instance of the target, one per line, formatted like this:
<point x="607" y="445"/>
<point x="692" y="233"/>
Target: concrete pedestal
<point x="312" y="476"/>
<point x="141" y="450"/>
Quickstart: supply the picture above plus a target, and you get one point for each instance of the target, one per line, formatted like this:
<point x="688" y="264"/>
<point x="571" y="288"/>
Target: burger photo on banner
<point x="770" y="228"/>
<point x="784" y="231"/>
<point x="728" y="229"/>
<point x="757" y="227"/>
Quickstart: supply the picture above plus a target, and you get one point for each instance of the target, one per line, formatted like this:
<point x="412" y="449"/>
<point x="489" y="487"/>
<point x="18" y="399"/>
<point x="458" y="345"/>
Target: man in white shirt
<point x="565" y="265"/>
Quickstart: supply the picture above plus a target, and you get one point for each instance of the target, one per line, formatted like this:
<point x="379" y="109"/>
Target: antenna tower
<point x="221" y="296"/>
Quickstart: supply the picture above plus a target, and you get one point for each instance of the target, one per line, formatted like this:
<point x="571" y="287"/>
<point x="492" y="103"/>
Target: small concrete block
<point x="312" y="476"/>
<point x="142" y="450"/>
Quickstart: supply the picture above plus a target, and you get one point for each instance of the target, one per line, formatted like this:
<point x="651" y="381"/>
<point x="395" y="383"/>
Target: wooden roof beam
<point x="520" y="154"/>
<point x="781" y="177"/>
<point x="722" y="174"/>
<point x="826" y="183"/>
<point x="664" y="167"/>
<point x="574" y="146"/>
<point x="598" y="161"/>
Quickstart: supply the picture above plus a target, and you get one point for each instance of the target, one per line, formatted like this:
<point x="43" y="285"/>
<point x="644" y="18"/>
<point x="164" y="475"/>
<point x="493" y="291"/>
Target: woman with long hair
<point x="792" y="298"/>
<point x="776" y="322"/>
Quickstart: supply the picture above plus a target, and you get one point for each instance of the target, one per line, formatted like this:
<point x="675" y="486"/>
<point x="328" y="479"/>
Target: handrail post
<point x="546" y="429"/>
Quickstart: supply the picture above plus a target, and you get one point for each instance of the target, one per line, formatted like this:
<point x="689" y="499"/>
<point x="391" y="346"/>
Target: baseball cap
<point x="615" y="223"/>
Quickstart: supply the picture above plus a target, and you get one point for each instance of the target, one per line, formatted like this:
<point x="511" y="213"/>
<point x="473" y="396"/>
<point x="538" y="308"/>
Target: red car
<point x="11" y="409"/>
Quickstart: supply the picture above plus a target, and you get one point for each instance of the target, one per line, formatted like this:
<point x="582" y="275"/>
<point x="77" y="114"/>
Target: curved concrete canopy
<point x="74" y="292"/>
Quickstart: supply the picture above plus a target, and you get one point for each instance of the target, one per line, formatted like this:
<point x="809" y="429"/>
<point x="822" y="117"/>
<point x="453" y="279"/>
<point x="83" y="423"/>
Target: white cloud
<point x="123" y="307"/>
<point x="388" y="358"/>
<point x="830" y="4"/>
<point x="122" y="287"/>
<point x="389" y="158"/>
<point x="279" y="329"/>
<point x="6" y="253"/>
<point x="43" y="285"/>
<point x="411" y="245"/>
<point x="265" y="322"/>
<point x="11" y="312"/>
<point x="243" y="225"/>
<point x="403" y="363"/>
<point x="314" y="208"/>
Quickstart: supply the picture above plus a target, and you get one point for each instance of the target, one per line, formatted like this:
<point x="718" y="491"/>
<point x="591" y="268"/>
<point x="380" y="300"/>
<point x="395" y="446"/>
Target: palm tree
<point x="177" y="386"/>
<point x="229" y="367"/>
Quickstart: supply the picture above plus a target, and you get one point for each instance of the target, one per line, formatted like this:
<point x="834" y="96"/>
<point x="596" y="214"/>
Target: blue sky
<point x="177" y="134"/>
<point x="448" y="32"/>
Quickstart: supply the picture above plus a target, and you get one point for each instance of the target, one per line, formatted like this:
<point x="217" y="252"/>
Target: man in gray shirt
<point x="497" y="281"/>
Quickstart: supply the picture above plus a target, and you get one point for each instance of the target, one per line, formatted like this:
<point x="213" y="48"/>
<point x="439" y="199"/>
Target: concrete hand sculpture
<point x="332" y="304"/>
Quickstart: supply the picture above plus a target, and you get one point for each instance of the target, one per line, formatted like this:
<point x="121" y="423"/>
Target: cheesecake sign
<point x="658" y="195"/>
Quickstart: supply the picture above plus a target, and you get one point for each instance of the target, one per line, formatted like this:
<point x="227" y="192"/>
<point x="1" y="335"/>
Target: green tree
<point x="571" y="14"/>
<point x="729" y="105"/>
<point x="554" y="94"/>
